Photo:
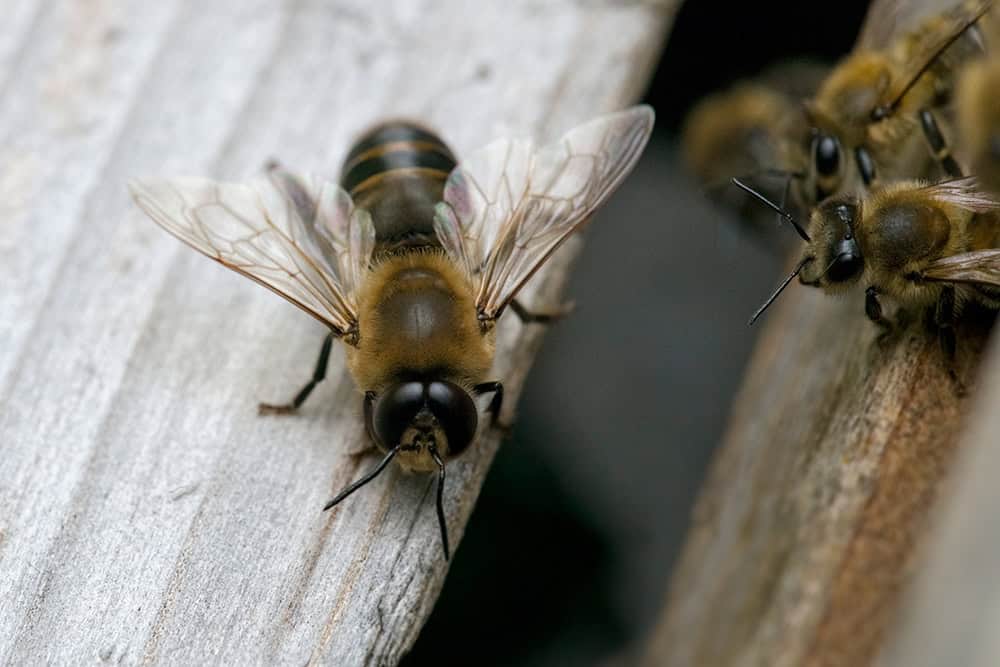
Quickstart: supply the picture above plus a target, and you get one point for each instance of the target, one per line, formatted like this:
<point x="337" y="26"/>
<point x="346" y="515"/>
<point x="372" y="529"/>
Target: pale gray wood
<point x="951" y="615"/>
<point x="147" y="515"/>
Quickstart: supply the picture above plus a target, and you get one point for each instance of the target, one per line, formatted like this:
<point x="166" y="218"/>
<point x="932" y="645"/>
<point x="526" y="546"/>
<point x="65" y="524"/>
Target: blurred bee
<point x="869" y="114"/>
<point x="409" y="261"/>
<point x="753" y="129"/>
<point x="925" y="246"/>
<point x="978" y="120"/>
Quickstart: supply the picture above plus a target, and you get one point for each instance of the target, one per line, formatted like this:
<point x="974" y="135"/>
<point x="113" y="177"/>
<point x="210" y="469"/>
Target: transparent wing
<point x="981" y="267"/>
<point x="257" y="230"/>
<point x="344" y="233"/>
<point x="952" y="21"/>
<point x="509" y="206"/>
<point x="964" y="193"/>
<point x="887" y="19"/>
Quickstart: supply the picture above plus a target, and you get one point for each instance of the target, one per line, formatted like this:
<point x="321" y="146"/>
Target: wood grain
<point x="147" y="515"/>
<point x="949" y="616"/>
<point x="807" y="529"/>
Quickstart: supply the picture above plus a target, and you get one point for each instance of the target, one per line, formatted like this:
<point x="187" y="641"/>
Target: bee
<point x="978" y="120"/>
<point x="930" y="246"/>
<point x="873" y="108"/>
<point x="409" y="261"/>
<point x="752" y="129"/>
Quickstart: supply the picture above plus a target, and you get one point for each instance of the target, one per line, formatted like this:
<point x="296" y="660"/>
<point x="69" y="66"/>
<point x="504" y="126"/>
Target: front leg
<point x="371" y="445"/>
<point x="944" y="321"/>
<point x="496" y="403"/>
<point x="939" y="147"/>
<point x="527" y="316"/>
<point x="873" y="309"/>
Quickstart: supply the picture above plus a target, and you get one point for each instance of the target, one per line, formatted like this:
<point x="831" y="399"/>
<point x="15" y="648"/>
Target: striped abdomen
<point x="397" y="172"/>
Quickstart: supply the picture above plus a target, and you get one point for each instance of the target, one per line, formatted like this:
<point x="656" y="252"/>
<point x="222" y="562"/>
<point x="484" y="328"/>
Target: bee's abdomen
<point x="397" y="172"/>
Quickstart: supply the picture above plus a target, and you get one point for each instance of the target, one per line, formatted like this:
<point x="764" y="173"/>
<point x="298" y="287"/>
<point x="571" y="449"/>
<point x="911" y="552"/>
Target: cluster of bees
<point x="893" y="155"/>
<point x="411" y="257"/>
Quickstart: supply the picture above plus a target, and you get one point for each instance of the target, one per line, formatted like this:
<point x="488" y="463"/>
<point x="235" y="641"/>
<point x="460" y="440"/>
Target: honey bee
<point x="409" y="261"/>
<point x="923" y="245"/>
<point x="752" y="129"/>
<point x="978" y="120"/>
<point x="876" y="104"/>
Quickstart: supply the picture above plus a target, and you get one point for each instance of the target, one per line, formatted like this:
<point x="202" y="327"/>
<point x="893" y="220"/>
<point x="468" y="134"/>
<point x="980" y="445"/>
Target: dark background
<point x="568" y="554"/>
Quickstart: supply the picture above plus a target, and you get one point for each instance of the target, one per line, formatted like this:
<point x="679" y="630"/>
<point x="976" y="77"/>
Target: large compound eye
<point x="395" y="409"/>
<point x="826" y="155"/>
<point x="456" y="412"/>
<point x="848" y="264"/>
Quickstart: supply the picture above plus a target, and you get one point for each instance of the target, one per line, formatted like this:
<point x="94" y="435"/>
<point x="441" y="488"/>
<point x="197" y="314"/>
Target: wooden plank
<point x="807" y="528"/>
<point x="950" y="613"/>
<point x="147" y="515"/>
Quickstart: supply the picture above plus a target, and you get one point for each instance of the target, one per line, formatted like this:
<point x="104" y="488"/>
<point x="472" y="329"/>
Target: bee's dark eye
<point x="394" y="411"/>
<point x="826" y="155"/>
<point x="847" y="264"/>
<point x="456" y="412"/>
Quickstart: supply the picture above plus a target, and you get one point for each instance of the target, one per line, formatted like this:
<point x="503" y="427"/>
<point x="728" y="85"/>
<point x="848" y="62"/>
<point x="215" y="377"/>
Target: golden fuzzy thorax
<point x="417" y="318"/>
<point x="933" y="230"/>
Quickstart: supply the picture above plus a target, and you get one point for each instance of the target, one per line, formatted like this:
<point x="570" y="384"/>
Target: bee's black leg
<point x="496" y="388"/>
<point x="939" y="147"/>
<point x="528" y="316"/>
<point x="873" y="309"/>
<point x="372" y="444"/>
<point x="293" y="189"/>
<point x="319" y="374"/>
<point x="944" y="320"/>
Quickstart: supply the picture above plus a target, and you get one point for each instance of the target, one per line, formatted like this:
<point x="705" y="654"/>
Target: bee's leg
<point x="944" y="320"/>
<point x="528" y="316"/>
<point x="873" y="309"/>
<point x="939" y="147"/>
<point x="866" y="166"/>
<point x="319" y="374"/>
<point x="496" y="388"/>
<point x="293" y="189"/>
<point x="370" y="446"/>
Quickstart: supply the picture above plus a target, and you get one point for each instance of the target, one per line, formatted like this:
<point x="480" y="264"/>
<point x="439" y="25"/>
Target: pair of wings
<point x="980" y="267"/>
<point x="505" y="210"/>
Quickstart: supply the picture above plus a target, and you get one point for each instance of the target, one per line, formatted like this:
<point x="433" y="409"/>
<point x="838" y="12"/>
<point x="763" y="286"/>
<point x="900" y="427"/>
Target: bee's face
<point x="834" y="247"/>
<point x="425" y="415"/>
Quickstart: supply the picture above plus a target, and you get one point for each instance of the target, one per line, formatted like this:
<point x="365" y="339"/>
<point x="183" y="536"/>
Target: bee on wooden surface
<point x="869" y="114"/>
<point x="978" y="120"/>
<point x="925" y="246"/>
<point x="409" y="261"/>
<point x="753" y="129"/>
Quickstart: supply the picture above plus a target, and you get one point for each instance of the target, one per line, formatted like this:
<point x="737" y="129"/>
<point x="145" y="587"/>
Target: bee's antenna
<point x="781" y="288"/>
<point x="770" y="172"/>
<point x="440" y="501"/>
<point x="364" y="480"/>
<point x="777" y="209"/>
<point x="885" y="110"/>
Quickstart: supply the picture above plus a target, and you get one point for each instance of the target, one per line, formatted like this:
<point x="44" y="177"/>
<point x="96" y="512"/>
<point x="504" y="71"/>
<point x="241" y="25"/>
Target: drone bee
<point x="409" y="261"/>
<point x="926" y="246"/>
<point x="887" y="92"/>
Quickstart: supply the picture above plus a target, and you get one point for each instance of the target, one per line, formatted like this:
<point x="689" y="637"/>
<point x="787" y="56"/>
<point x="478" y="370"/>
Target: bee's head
<point x="424" y="418"/>
<point x="836" y="256"/>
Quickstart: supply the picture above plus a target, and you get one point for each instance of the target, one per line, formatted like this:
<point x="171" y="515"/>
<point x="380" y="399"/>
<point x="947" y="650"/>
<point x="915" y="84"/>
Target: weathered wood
<point x="950" y="615"/>
<point x="807" y="527"/>
<point x="147" y="515"/>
